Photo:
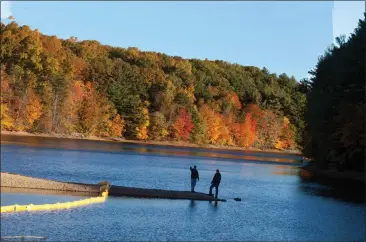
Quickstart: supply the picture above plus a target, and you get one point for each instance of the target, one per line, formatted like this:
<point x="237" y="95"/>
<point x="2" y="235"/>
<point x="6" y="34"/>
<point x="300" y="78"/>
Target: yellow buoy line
<point x="23" y="238"/>
<point x="55" y="206"/>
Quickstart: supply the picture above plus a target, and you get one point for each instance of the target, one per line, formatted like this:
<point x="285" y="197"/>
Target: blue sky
<point x="286" y="37"/>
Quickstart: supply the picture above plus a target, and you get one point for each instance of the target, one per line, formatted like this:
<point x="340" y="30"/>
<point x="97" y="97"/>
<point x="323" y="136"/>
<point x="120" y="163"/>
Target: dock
<point x="120" y="191"/>
<point x="19" y="182"/>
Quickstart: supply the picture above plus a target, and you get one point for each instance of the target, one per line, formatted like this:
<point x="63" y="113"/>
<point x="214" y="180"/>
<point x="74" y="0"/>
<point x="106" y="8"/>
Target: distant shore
<point x="150" y="142"/>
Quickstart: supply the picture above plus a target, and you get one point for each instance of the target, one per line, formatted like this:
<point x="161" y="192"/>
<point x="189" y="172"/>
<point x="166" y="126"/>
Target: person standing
<point x="194" y="177"/>
<point x="215" y="183"/>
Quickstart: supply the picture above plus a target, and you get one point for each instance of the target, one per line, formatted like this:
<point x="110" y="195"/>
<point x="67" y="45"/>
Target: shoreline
<point x="178" y="144"/>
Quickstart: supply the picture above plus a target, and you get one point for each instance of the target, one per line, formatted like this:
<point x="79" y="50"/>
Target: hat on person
<point x="217" y="170"/>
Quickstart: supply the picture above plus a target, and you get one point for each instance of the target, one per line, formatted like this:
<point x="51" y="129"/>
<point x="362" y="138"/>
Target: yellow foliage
<point x="6" y="120"/>
<point x="217" y="129"/>
<point x="279" y="144"/>
<point x="286" y="138"/>
<point x="164" y="132"/>
<point x="142" y="130"/>
<point x="142" y="133"/>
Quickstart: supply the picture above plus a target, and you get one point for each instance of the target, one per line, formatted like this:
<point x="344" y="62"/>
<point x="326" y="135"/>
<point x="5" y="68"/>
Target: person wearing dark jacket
<point x="215" y="183"/>
<point x="194" y="177"/>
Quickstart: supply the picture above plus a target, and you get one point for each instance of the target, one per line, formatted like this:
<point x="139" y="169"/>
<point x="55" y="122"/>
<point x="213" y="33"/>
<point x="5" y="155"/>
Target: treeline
<point x="51" y="85"/>
<point x="335" y="132"/>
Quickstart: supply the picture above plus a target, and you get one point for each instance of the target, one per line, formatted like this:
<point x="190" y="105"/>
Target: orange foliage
<point x="212" y="123"/>
<point x="4" y="83"/>
<point x="117" y="126"/>
<point x="245" y="133"/>
<point x="234" y="99"/>
<point x="183" y="125"/>
<point x="217" y="126"/>
<point x="225" y="137"/>
<point x="90" y="113"/>
<point x="88" y="110"/>
<point x="33" y="108"/>
<point x="256" y="111"/>
<point x="78" y="65"/>
<point x="286" y="138"/>
<point x="213" y="90"/>
<point x="5" y="90"/>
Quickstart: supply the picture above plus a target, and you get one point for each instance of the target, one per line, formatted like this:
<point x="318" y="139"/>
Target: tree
<point x="245" y="133"/>
<point x="199" y="132"/>
<point x="143" y="128"/>
<point x="83" y="86"/>
<point x="212" y="122"/>
<point x="183" y="125"/>
<point x="6" y="120"/>
<point x="158" y="128"/>
<point x="286" y="138"/>
<point x="118" y="124"/>
<point x="336" y="97"/>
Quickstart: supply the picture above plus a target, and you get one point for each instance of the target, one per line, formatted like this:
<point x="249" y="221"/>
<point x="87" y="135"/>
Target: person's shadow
<point x="214" y="203"/>
<point x="192" y="204"/>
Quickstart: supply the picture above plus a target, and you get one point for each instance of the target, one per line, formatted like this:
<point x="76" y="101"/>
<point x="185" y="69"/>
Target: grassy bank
<point x="150" y="142"/>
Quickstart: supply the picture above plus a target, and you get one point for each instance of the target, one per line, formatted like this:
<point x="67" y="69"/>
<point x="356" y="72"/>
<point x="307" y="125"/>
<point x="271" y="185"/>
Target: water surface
<point x="276" y="204"/>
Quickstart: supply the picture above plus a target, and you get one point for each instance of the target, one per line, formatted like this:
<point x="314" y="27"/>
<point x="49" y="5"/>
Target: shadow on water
<point x="192" y="204"/>
<point x="346" y="191"/>
<point x="213" y="204"/>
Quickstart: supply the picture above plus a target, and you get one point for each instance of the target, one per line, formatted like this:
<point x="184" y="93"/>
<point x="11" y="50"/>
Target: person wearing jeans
<point x="215" y="183"/>
<point x="194" y="177"/>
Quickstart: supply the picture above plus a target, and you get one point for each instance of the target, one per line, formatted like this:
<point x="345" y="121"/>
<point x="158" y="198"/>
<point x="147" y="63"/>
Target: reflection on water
<point x="192" y="203"/>
<point x="352" y="192"/>
<point x="25" y="198"/>
<point x="111" y="146"/>
<point x="285" y="170"/>
<point x="214" y="203"/>
<point x="276" y="204"/>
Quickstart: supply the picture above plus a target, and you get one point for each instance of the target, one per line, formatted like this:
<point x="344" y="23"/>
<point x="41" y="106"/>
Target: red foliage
<point x="183" y="125"/>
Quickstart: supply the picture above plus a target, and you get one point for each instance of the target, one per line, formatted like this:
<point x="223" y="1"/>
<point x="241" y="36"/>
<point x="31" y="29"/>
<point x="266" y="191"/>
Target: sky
<point x="285" y="37"/>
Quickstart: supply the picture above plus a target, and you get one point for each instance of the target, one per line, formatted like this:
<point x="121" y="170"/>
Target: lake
<point x="276" y="204"/>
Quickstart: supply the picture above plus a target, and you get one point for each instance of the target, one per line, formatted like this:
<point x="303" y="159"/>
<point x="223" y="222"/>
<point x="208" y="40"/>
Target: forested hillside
<point x="335" y="116"/>
<point x="50" y="85"/>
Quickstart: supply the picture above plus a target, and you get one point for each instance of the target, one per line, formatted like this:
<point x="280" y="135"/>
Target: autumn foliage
<point x="183" y="125"/>
<point x="245" y="132"/>
<point x="51" y="85"/>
